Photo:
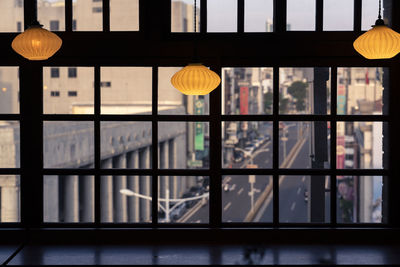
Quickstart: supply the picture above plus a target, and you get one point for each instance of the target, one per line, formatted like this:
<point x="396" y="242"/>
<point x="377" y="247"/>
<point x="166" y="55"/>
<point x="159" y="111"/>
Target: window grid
<point x="155" y="118"/>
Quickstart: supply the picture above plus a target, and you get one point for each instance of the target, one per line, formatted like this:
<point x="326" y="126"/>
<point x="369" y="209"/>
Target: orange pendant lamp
<point x="36" y="43"/>
<point x="380" y="42"/>
<point x="195" y="78"/>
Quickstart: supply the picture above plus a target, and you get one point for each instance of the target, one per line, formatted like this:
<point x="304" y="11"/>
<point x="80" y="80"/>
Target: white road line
<point x="240" y="191"/>
<point x="303" y="179"/>
<point x="298" y="190"/>
<point x="293" y="206"/>
<point x="198" y="221"/>
<point x="327" y="182"/>
<point x="227" y="206"/>
<point x="227" y="179"/>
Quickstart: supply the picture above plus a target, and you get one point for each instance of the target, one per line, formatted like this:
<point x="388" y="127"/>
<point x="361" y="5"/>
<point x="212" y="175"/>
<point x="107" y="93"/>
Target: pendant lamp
<point x="380" y="42"/>
<point x="195" y="78"/>
<point x="36" y="43"/>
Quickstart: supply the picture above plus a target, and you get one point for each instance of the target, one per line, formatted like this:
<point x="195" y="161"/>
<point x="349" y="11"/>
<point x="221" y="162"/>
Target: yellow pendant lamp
<point x="36" y="43"/>
<point x="195" y="78"/>
<point x="380" y="42"/>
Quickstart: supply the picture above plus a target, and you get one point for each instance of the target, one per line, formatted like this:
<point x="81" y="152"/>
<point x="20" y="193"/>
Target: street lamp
<point x="167" y="200"/>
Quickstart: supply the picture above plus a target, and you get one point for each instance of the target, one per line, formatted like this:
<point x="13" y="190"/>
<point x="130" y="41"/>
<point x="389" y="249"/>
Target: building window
<point x="55" y="93"/>
<point x="74" y="25"/>
<point x="19" y="3"/>
<point x="105" y="84"/>
<point x="19" y="26"/>
<point x="54" y="25"/>
<point x="72" y="72"/>
<point x="72" y="93"/>
<point x="54" y="72"/>
<point x="97" y="9"/>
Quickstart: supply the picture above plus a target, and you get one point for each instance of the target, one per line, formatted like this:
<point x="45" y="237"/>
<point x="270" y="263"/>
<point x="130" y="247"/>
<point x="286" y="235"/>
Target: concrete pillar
<point x="9" y="191"/>
<point x="132" y="161"/>
<point x="145" y="186"/>
<point x="164" y="164"/>
<point x="51" y="206"/>
<point x="106" y="189"/>
<point x="173" y="180"/>
<point x="119" y="182"/>
<point x="86" y="198"/>
<point x="70" y="197"/>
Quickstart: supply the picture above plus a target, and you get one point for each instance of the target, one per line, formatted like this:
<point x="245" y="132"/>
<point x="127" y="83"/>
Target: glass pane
<point x="359" y="199"/>
<point x="68" y="198"/>
<point x="87" y="15"/>
<point x="182" y="16"/>
<point x="68" y="144"/>
<point x="126" y="145"/>
<point x="338" y="15"/>
<point x="247" y="144"/>
<point x="9" y="144"/>
<point x="51" y="14"/>
<point x="247" y="198"/>
<point x="304" y="90"/>
<point x="360" y="90"/>
<point x="124" y="15"/>
<point x="222" y="16"/>
<point x="247" y="91"/>
<point x="183" y="145"/>
<point x="183" y="199"/>
<point x="10" y="198"/>
<point x="359" y="145"/>
<point x="304" y="199"/>
<point x="68" y="90"/>
<point x="125" y="199"/>
<point x="12" y="16"/>
<point x="370" y="10"/>
<point x="258" y="16"/>
<point x="9" y="94"/>
<point x="304" y="145"/>
<point x="300" y="15"/>
<point x="172" y="101"/>
<point x="126" y="90"/>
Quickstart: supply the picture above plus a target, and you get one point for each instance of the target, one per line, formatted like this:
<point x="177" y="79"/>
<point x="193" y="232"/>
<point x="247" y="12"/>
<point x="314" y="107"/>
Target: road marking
<point x="303" y="179"/>
<point x="298" y="190"/>
<point x="227" y="179"/>
<point x="233" y="187"/>
<point x="198" y="221"/>
<point x="227" y="206"/>
<point x="293" y="206"/>
<point x="326" y="182"/>
<point x="240" y="191"/>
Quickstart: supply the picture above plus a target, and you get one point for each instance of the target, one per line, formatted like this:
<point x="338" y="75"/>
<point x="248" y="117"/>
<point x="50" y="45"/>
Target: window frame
<point x="32" y="206"/>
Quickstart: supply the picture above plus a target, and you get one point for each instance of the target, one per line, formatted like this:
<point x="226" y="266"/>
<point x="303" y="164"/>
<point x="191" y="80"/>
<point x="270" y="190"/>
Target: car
<point x="249" y="148"/>
<point x="306" y="196"/>
<point x="177" y="212"/>
<point x="267" y="137"/>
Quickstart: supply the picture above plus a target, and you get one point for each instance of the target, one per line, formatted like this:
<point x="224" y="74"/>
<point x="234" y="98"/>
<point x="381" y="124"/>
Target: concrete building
<point x="124" y="90"/>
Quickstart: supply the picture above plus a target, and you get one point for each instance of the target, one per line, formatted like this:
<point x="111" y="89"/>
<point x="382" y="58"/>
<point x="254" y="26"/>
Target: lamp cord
<point x="194" y="7"/>
<point x="379" y="15"/>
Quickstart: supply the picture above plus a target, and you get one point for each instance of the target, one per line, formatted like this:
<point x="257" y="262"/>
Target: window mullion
<point x="68" y="15"/>
<point x="357" y="15"/>
<point x="280" y="12"/>
<point x="31" y="146"/>
<point x="333" y="193"/>
<point x="154" y="146"/>
<point x="240" y="16"/>
<point x="319" y="15"/>
<point x="106" y="15"/>
<point x="215" y="212"/>
<point x="97" y="141"/>
<point x="275" y="149"/>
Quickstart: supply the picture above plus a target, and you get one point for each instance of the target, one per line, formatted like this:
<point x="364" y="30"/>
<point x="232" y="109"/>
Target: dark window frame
<point x="32" y="206"/>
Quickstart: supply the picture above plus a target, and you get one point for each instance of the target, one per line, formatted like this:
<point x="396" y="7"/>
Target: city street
<point x="236" y="203"/>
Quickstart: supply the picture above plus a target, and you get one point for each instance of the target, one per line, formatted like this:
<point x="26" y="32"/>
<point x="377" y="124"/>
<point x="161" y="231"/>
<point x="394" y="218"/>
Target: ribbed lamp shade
<point x="378" y="43"/>
<point x="36" y="43"/>
<point x="195" y="79"/>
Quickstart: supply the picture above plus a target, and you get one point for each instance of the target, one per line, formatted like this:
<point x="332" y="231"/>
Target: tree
<point x="298" y="90"/>
<point x="268" y="100"/>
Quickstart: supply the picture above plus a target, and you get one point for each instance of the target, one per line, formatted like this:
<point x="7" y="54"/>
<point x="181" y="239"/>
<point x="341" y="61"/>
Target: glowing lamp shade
<point x="195" y="79"/>
<point x="378" y="43"/>
<point x="36" y="43"/>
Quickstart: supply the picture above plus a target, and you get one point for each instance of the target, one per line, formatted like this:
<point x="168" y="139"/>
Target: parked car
<point x="176" y="213"/>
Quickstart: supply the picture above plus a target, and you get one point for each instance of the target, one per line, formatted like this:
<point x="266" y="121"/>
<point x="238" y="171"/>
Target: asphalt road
<point x="236" y="203"/>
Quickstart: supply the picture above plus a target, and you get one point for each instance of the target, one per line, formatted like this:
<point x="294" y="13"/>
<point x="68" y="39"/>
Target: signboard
<point x="195" y="163"/>
<point x="341" y="100"/>
<point x="244" y="100"/>
<point x="340" y="152"/>
<point x="199" y="126"/>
